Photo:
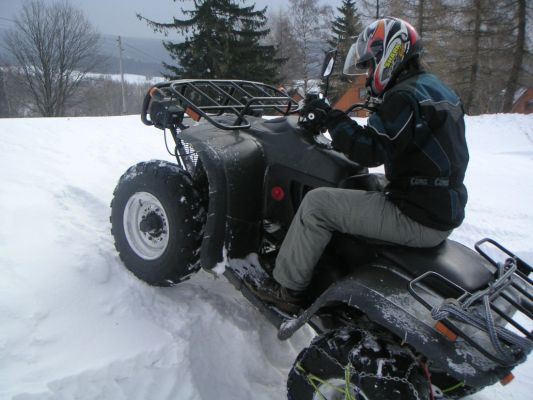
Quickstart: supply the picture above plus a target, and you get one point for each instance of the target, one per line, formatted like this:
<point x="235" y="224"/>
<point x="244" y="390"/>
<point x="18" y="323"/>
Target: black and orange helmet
<point x="382" y="50"/>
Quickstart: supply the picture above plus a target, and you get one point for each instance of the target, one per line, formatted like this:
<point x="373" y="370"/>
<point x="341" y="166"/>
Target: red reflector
<point x="507" y="379"/>
<point x="193" y="114"/>
<point x="450" y="335"/>
<point x="277" y="193"/>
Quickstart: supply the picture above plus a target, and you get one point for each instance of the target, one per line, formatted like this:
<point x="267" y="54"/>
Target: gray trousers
<point x="355" y="212"/>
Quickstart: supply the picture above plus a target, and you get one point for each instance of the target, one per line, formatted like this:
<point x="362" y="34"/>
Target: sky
<point x="117" y="17"/>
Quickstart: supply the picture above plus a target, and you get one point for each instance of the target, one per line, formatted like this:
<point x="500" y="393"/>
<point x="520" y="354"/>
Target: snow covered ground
<point x="74" y="324"/>
<point x="129" y="78"/>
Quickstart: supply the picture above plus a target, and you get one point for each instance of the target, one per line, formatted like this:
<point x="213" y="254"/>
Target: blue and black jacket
<point x="418" y="134"/>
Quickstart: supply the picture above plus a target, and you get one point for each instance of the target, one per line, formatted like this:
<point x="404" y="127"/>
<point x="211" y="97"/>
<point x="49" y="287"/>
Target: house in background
<point x="524" y="102"/>
<point x="356" y="94"/>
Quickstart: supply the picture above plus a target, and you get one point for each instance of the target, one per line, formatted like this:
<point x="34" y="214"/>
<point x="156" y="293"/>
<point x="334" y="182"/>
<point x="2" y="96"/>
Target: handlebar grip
<point x="144" y="109"/>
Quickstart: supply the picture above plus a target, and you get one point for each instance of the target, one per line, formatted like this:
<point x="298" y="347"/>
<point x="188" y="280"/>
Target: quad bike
<point x="392" y="322"/>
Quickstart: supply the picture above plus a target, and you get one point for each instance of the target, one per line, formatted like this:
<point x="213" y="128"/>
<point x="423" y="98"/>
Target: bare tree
<point x="55" y="46"/>
<point x="310" y="25"/>
<point x="5" y="107"/>
<point x="520" y="50"/>
<point x="287" y="47"/>
<point x="375" y="9"/>
<point x="13" y="96"/>
<point x="102" y="96"/>
<point x="483" y="56"/>
<point x="482" y="51"/>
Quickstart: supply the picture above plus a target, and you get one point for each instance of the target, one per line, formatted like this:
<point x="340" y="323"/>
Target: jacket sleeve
<point x="388" y="130"/>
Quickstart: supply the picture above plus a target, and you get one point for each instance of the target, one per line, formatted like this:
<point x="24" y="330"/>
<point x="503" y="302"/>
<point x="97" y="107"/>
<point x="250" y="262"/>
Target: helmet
<point x="382" y="51"/>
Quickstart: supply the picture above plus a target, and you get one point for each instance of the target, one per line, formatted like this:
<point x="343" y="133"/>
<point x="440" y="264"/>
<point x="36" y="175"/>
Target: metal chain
<point x="390" y="378"/>
<point x="310" y="378"/>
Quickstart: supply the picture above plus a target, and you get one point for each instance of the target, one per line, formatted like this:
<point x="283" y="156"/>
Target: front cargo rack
<point x="210" y="98"/>
<point x="508" y="295"/>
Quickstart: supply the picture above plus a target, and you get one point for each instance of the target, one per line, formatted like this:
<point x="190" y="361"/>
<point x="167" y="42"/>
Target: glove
<point x="342" y="130"/>
<point x="314" y="113"/>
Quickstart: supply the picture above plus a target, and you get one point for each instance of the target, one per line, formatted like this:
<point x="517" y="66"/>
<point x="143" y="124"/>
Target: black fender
<point x="242" y="165"/>
<point x="381" y="294"/>
<point x="235" y="166"/>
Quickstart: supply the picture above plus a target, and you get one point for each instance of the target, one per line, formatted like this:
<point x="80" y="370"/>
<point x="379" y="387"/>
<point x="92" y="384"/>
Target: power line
<point x="141" y="51"/>
<point x="7" y="19"/>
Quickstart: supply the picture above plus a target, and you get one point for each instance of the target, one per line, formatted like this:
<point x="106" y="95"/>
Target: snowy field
<point x="74" y="324"/>
<point x="129" y="78"/>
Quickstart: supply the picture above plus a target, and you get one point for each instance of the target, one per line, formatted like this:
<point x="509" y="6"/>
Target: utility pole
<point x="377" y="9"/>
<point x="120" y="50"/>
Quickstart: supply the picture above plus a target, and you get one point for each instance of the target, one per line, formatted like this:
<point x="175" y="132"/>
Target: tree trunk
<point x="420" y="17"/>
<point x="475" y="57"/>
<point x="512" y="83"/>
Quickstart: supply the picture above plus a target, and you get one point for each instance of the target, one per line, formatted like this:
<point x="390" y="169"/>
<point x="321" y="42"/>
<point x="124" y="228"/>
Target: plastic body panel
<point x="242" y="164"/>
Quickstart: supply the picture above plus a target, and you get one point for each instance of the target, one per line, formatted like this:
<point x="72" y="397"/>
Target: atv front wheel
<point x="356" y="364"/>
<point x="156" y="220"/>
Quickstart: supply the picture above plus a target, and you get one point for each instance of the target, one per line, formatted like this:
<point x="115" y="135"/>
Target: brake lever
<point x="144" y="110"/>
<point x="323" y="146"/>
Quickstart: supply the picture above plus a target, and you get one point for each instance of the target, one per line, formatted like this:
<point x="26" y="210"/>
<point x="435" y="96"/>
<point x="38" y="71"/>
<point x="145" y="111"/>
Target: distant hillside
<point x="143" y="56"/>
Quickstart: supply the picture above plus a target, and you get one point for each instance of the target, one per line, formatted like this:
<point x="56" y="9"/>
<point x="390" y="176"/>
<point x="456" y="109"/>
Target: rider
<point x="417" y="133"/>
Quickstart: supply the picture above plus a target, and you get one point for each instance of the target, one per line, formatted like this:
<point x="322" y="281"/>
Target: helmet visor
<point x="360" y="57"/>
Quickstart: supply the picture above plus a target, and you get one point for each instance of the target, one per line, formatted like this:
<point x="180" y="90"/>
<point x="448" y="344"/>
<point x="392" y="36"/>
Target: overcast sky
<point x="117" y="17"/>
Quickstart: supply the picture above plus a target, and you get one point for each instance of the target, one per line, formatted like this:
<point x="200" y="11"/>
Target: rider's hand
<point x="342" y="130"/>
<point x="314" y="113"/>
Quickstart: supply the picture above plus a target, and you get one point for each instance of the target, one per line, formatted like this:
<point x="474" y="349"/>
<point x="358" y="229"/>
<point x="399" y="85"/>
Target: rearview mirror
<point x="327" y="68"/>
<point x="329" y="63"/>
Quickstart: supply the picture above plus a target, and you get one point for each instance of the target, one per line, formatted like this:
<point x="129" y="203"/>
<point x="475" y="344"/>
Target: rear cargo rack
<point x="212" y="98"/>
<point x="511" y="289"/>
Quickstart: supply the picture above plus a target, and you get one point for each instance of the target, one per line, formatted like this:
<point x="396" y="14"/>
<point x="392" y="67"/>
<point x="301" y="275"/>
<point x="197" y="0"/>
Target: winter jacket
<point x="418" y="133"/>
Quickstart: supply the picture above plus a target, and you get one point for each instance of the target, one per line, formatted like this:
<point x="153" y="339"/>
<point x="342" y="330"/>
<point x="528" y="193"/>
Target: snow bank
<point x="75" y="324"/>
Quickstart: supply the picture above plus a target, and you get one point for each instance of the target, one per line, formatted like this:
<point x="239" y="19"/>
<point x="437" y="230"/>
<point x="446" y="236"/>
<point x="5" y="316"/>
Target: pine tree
<point x="223" y="41"/>
<point x="345" y="28"/>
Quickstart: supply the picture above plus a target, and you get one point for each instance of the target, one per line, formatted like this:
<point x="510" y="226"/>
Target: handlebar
<point x="360" y="106"/>
<point x="163" y="110"/>
<point x="144" y="109"/>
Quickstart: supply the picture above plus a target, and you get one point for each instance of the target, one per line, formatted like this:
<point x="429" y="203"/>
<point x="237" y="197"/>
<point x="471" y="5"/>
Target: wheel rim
<point x="146" y="226"/>
<point x="335" y="389"/>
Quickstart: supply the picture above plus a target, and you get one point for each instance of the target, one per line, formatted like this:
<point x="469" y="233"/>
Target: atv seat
<point x="452" y="260"/>
<point x="369" y="182"/>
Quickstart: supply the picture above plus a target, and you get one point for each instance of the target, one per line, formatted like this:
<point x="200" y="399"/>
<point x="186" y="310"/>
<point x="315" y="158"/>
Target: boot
<point x="268" y="263"/>
<point x="270" y="291"/>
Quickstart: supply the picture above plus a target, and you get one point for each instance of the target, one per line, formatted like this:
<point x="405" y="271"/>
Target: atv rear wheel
<point x="156" y="220"/>
<point x="356" y="364"/>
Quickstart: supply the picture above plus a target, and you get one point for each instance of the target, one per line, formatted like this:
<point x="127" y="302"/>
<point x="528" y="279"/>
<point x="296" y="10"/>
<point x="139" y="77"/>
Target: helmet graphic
<point x="382" y="50"/>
